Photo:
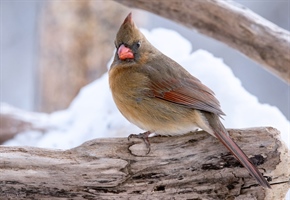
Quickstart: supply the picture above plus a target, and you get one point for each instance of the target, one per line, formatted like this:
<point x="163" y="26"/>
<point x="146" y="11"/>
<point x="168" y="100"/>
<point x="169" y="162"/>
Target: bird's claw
<point x="144" y="137"/>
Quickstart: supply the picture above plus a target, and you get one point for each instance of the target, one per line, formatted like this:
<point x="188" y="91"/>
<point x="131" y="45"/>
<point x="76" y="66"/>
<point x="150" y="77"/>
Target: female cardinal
<point x="158" y="95"/>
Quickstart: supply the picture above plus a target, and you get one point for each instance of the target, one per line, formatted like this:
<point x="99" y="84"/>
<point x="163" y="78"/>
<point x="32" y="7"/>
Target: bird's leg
<point x="144" y="137"/>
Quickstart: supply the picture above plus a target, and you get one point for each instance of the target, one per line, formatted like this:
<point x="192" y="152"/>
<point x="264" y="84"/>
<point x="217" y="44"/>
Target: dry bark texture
<point x="231" y="24"/>
<point x="192" y="166"/>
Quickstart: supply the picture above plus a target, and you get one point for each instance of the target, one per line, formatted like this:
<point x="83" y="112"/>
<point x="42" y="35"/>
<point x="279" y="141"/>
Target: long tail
<point x="221" y="133"/>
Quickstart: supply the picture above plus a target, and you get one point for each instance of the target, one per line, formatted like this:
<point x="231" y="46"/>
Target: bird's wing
<point x="188" y="92"/>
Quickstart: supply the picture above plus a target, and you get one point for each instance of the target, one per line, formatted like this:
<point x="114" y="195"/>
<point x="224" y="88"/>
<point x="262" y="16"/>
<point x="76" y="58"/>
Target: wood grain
<point x="193" y="166"/>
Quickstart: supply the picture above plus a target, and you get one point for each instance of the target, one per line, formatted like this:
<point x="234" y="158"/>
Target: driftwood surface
<point x="231" y="24"/>
<point x="192" y="166"/>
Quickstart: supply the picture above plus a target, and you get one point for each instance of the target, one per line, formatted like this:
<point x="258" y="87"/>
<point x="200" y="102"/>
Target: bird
<point x="159" y="96"/>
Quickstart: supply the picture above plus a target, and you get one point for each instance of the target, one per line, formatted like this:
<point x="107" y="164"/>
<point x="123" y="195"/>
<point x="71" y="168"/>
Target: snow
<point x="93" y="114"/>
<point x="38" y="119"/>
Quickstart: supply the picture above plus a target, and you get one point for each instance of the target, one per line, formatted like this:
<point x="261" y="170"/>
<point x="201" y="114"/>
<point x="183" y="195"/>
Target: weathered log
<point x="231" y="24"/>
<point x="14" y="121"/>
<point x="192" y="166"/>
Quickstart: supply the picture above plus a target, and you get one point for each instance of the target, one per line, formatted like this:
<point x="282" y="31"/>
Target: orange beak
<point x="125" y="53"/>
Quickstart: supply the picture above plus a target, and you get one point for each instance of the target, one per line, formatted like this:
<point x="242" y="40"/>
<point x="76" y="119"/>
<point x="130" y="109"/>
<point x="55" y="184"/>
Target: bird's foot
<point x="144" y="137"/>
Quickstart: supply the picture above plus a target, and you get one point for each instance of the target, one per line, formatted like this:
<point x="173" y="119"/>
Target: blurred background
<point x="51" y="49"/>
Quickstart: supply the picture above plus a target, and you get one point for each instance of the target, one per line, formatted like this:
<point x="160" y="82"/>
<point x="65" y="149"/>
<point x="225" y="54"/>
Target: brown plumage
<point x="159" y="96"/>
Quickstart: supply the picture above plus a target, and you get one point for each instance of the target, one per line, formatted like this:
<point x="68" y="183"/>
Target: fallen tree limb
<point x="231" y="24"/>
<point x="14" y="121"/>
<point x="194" y="166"/>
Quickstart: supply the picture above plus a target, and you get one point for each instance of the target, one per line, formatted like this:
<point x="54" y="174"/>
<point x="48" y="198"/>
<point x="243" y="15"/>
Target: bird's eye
<point x="138" y="44"/>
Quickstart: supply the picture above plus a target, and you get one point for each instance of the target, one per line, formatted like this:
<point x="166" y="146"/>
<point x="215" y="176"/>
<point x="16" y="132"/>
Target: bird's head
<point x="130" y="42"/>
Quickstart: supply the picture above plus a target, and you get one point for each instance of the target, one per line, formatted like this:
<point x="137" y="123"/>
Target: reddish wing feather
<point x="188" y="92"/>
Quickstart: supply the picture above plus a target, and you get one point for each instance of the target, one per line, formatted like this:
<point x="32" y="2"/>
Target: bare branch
<point x="14" y="121"/>
<point x="192" y="166"/>
<point x="231" y="24"/>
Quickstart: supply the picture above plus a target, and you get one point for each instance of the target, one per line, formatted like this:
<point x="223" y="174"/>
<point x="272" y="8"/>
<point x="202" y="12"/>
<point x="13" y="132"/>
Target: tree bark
<point x="76" y="43"/>
<point x="192" y="166"/>
<point x="231" y="24"/>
